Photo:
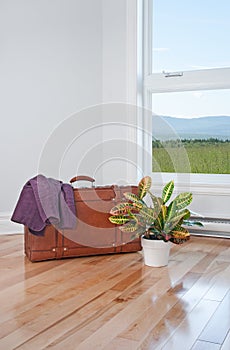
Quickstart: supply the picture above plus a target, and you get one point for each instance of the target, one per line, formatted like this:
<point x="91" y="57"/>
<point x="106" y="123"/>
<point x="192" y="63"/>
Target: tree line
<point x="188" y="142"/>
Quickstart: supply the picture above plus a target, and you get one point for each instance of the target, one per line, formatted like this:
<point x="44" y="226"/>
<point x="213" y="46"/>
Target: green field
<point x="210" y="156"/>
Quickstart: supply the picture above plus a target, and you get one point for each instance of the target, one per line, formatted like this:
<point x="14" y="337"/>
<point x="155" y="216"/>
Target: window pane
<point x="191" y="132"/>
<point x="190" y="35"/>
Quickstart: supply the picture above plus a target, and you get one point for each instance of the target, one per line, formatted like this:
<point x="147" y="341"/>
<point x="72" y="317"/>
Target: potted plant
<point x="159" y="224"/>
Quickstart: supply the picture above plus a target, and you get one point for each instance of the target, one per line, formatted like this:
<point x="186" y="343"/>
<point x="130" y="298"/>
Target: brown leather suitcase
<point x="94" y="233"/>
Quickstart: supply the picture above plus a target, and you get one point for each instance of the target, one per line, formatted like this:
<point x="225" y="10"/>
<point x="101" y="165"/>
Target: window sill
<point x="207" y="184"/>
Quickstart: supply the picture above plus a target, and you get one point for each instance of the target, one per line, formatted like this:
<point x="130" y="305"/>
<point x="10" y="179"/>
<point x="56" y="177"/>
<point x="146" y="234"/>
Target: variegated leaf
<point x="183" y="200"/>
<point x="119" y="219"/>
<point x="171" y="210"/>
<point x="157" y="202"/>
<point x="187" y="216"/>
<point x="167" y="191"/>
<point x="179" y="237"/>
<point x="171" y="223"/>
<point x="154" y="230"/>
<point x="139" y="232"/>
<point x="121" y="208"/>
<point x="178" y="227"/>
<point x="148" y="214"/>
<point x="180" y="234"/>
<point x="130" y="226"/>
<point x="164" y="212"/>
<point x="192" y="223"/>
<point x="144" y="186"/>
<point x="159" y="222"/>
<point x="133" y="198"/>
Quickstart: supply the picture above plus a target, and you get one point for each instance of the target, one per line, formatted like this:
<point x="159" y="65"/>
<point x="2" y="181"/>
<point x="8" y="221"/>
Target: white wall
<point x="58" y="57"/>
<point x="50" y="67"/>
<point x="119" y="84"/>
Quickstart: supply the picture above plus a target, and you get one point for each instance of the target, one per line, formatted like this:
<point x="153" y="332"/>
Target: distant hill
<point x="165" y="127"/>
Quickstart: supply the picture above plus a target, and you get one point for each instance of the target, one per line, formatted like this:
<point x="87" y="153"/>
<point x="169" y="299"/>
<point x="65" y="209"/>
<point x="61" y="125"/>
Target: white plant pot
<point x="156" y="252"/>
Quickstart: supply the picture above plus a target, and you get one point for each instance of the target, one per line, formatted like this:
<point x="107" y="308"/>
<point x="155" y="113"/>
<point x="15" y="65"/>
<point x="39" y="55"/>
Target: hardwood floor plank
<point x="219" y="325"/>
<point x="87" y="313"/>
<point x="70" y="324"/>
<point x="85" y="326"/>
<point x="121" y="344"/>
<point x="221" y="286"/>
<point x="114" y="301"/>
<point x="58" y="307"/>
<point x="190" y="327"/>
<point x="13" y="243"/>
<point x="225" y="256"/>
<point x="177" y="311"/>
<point x="226" y="343"/>
<point x="57" y="273"/>
<point x="203" y="345"/>
<point x="131" y="311"/>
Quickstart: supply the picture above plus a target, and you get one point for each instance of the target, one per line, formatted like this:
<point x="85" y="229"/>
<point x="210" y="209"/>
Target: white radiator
<point x="214" y="227"/>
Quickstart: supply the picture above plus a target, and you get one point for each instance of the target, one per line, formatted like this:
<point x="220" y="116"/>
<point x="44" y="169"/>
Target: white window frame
<point x="209" y="79"/>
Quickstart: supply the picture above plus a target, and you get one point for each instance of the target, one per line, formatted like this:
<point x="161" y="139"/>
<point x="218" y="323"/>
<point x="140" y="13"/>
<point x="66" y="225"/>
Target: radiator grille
<point x="216" y="227"/>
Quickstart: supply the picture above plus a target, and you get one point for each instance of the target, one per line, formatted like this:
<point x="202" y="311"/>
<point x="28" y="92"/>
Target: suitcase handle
<point x="82" y="178"/>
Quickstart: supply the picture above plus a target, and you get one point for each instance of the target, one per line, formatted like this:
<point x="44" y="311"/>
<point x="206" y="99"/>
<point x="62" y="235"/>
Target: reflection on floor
<point x="115" y="301"/>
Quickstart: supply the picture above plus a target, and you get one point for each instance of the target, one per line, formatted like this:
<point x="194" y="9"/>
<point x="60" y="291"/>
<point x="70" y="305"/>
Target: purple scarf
<point x="45" y="201"/>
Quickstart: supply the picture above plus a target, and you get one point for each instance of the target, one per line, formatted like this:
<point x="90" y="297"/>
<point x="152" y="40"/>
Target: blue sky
<point x="192" y="104"/>
<point x="191" y="35"/>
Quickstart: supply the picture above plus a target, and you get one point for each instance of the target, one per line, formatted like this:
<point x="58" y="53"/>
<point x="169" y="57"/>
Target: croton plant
<point x="160" y="220"/>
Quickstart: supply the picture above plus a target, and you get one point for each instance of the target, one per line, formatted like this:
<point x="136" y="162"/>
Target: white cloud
<point x="160" y="49"/>
<point x="198" y="94"/>
<point x="204" y="67"/>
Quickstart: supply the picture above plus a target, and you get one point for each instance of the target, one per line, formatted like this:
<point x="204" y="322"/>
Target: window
<point x="191" y="132"/>
<point x="187" y="76"/>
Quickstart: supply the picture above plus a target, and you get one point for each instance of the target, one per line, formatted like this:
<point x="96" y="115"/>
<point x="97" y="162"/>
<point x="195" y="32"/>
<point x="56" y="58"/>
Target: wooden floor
<point x="115" y="301"/>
